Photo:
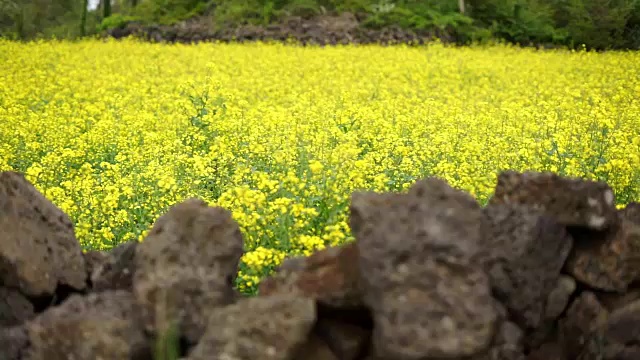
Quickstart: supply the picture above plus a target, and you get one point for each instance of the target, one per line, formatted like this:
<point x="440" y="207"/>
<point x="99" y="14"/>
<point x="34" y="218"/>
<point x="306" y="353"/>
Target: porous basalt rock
<point x="187" y="266"/>
<point x="330" y="276"/>
<point x="115" y="271"/>
<point x="431" y="275"/>
<point x="570" y="201"/>
<point x="15" y="308"/>
<point x="270" y="327"/>
<point x="428" y="298"/>
<point x="99" y="326"/>
<point x="38" y="248"/>
<point x="525" y="251"/>
<point x="607" y="260"/>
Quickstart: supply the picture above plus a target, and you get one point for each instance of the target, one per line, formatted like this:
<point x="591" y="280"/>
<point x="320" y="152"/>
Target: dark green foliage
<point x="116" y="21"/>
<point x="106" y="8"/>
<point x="520" y="21"/>
<point x="83" y="19"/>
<point x="599" y="24"/>
<point x="167" y="12"/>
<point x="418" y="15"/>
<point x="27" y="19"/>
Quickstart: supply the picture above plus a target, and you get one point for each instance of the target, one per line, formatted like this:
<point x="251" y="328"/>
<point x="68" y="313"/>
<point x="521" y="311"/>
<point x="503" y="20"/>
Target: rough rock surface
<point x="427" y="297"/>
<point x="271" y="327"/>
<point x="38" y="248"/>
<point x="432" y="275"/>
<point x="631" y="212"/>
<point x="507" y="344"/>
<point x="620" y="336"/>
<point x="613" y="301"/>
<point x="115" y="272"/>
<point x="525" y="251"/>
<point x="187" y="266"/>
<point x="607" y="260"/>
<point x="98" y="326"/>
<point x="559" y="297"/>
<point x="329" y="276"/>
<point x="572" y="202"/>
<point x="92" y="260"/>
<point x="13" y="343"/>
<point x="583" y="318"/>
<point x="320" y="29"/>
<point x="15" y="309"/>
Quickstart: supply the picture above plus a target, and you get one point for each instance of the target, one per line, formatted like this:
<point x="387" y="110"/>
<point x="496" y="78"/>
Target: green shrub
<point x="168" y="12"/>
<point x="116" y="21"/>
<point x="597" y="24"/>
<point x="520" y="21"/>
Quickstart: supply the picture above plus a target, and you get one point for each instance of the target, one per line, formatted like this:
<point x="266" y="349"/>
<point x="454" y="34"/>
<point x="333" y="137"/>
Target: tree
<point x="106" y="8"/>
<point x="83" y="18"/>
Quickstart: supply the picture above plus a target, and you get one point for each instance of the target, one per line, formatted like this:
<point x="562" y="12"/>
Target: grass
<point x="115" y="132"/>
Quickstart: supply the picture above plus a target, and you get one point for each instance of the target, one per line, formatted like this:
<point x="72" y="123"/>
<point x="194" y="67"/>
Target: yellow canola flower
<point x="114" y="133"/>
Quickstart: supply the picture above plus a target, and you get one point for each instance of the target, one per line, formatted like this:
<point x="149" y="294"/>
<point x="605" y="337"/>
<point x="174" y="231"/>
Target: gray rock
<point x="524" y="252"/>
<point x="14" y="343"/>
<point x="115" y="272"/>
<point x="15" y="309"/>
<point x="581" y="322"/>
<point x="429" y="299"/>
<point x="570" y="201"/>
<point x="507" y="344"/>
<point x="93" y="259"/>
<point x="98" y="326"/>
<point x="607" y="260"/>
<point x="38" y="248"/>
<point x="187" y="266"/>
<point x="270" y="327"/>
<point x="558" y="299"/>
<point x="631" y="212"/>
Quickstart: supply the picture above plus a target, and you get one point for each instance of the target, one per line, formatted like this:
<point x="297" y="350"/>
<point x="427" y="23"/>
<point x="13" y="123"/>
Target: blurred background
<point x="598" y="24"/>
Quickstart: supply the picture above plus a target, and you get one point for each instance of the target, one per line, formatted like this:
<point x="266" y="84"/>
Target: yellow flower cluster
<point x="116" y="132"/>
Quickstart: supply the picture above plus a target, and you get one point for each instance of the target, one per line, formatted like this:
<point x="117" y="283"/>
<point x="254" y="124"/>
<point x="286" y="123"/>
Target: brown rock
<point x="346" y="340"/>
<point x="507" y="344"/>
<point x="613" y="301"/>
<point x="427" y="297"/>
<point x="269" y="327"/>
<point x="559" y="297"/>
<point x="571" y="201"/>
<point x="116" y="271"/>
<point x="556" y="303"/>
<point x="38" y="248"/>
<point x="329" y="276"/>
<point x="623" y="324"/>
<point x="187" y="266"/>
<point x="619" y="337"/>
<point x="98" y="326"/>
<point x="315" y="349"/>
<point x="525" y="251"/>
<point x="15" y="309"/>
<point x="631" y="212"/>
<point x="607" y="260"/>
<point x="93" y="259"/>
<point x="13" y="343"/>
<point x="583" y="318"/>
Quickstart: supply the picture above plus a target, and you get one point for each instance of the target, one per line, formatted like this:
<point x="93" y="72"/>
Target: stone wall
<point x="547" y="270"/>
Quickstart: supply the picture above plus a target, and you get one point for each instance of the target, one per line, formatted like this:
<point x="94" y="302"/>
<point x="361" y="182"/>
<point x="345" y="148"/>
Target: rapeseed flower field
<point x="115" y="132"/>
